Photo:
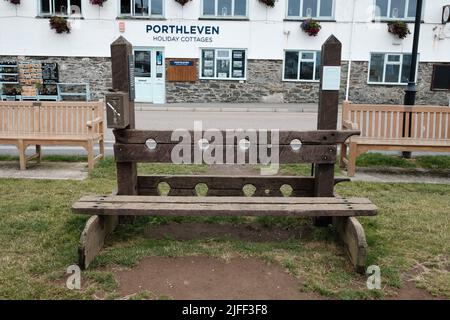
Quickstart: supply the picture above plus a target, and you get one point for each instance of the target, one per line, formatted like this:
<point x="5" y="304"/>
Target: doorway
<point x="149" y="76"/>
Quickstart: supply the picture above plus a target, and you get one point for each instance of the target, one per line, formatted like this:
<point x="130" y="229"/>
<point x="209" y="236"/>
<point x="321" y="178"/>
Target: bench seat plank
<point x="226" y="206"/>
<point x="401" y="141"/>
<point x="47" y="136"/>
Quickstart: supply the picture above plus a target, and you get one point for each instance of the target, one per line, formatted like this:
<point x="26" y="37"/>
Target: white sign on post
<point x="331" y="78"/>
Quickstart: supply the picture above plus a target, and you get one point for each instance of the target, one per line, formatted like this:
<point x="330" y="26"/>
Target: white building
<point x="224" y="50"/>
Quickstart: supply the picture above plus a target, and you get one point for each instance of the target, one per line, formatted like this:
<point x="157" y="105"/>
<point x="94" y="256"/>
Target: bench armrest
<point x="92" y="123"/>
<point x="347" y="124"/>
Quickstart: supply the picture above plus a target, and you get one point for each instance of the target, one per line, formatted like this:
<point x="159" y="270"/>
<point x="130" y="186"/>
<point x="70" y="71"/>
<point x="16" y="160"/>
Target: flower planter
<point x="59" y="24"/>
<point x="399" y="29"/>
<point x="14" y="1"/>
<point x="97" y="2"/>
<point x="311" y="27"/>
<point x="269" y="3"/>
<point x="182" y="2"/>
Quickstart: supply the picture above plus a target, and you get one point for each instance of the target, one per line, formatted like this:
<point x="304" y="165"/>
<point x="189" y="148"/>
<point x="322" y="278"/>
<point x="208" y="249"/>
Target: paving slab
<point x="45" y="170"/>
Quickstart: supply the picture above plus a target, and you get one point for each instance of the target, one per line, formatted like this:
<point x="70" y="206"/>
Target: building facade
<point x="224" y="50"/>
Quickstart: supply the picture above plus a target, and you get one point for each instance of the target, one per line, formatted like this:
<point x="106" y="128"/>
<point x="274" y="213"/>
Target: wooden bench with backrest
<point x="393" y="128"/>
<point x="25" y="124"/>
<point x="311" y="196"/>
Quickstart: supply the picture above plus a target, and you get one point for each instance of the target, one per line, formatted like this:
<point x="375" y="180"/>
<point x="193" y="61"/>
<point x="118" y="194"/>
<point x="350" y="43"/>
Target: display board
<point x="182" y="70"/>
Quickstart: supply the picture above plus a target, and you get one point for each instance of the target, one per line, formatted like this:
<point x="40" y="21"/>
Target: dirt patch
<point x="209" y="278"/>
<point x="248" y="232"/>
<point x="410" y="292"/>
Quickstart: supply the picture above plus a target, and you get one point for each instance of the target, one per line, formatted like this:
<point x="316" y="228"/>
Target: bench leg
<point x="353" y="237"/>
<point x="93" y="238"/>
<point x="101" y="144"/>
<point x="343" y="155"/>
<point x="90" y="152"/>
<point x="353" y="154"/>
<point x="22" y="156"/>
<point x="38" y="153"/>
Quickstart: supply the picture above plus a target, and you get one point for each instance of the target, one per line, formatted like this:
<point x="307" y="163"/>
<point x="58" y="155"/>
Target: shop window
<point x="441" y="77"/>
<point x="389" y="68"/>
<point x="141" y="8"/>
<point x="304" y="9"/>
<point x="224" y="8"/>
<point x="396" y="9"/>
<point x="66" y="8"/>
<point x="301" y="66"/>
<point x="223" y="64"/>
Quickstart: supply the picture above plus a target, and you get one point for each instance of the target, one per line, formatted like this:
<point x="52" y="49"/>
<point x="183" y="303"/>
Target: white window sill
<point x="320" y="19"/>
<point x="124" y="17"/>
<point x="301" y="81"/>
<point x="224" y="79"/>
<point x="387" y="83"/>
<point x="242" y="18"/>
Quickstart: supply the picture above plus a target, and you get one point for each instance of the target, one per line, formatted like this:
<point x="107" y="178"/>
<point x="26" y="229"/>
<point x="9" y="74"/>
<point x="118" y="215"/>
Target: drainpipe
<point x="350" y="51"/>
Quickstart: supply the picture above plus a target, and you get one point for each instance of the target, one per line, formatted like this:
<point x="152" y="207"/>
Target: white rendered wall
<point x="265" y="35"/>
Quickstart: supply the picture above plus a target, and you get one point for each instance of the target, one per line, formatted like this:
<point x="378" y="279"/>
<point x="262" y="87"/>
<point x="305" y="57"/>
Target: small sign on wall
<point x="182" y="70"/>
<point x="331" y="78"/>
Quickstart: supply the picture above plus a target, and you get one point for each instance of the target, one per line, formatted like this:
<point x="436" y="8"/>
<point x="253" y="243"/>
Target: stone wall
<point x="264" y="83"/>
<point x="361" y="92"/>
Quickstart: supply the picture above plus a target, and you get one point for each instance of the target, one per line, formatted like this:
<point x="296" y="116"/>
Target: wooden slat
<point x="326" y="137"/>
<point x="162" y="153"/>
<point x="265" y="186"/>
<point x="225" y="206"/>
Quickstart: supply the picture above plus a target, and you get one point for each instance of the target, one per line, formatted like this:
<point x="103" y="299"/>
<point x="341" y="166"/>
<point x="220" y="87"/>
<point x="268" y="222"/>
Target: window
<point x="302" y="9"/>
<point x="60" y="7"/>
<point x="224" y="8"/>
<point x="389" y="68"/>
<point x="396" y="9"/>
<point x="223" y="64"/>
<point x="441" y="77"/>
<point x="301" y="66"/>
<point x="141" y="8"/>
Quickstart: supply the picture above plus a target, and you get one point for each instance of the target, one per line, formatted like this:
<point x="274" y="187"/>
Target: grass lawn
<point x="423" y="162"/>
<point x="410" y="238"/>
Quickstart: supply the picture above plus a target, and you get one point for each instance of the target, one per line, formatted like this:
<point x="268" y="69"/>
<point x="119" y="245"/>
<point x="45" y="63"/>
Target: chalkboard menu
<point x="50" y="74"/>
<point x="238" y="64"/>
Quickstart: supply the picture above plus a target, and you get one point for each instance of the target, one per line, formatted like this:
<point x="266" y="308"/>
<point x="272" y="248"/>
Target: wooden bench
<point x="52" y="123"/>
<point x="393" y="127"/>
<point x="311" y="196"/>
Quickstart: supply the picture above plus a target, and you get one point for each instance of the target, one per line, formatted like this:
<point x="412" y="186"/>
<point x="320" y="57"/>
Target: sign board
<point x="117" y="110"/>
<point x="331" y="78"/>
<point x="181" y="63"/>
<point x="131" y="85"/>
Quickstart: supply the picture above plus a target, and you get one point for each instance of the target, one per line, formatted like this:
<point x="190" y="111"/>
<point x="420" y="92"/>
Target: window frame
<point x="134" y="16"/>
<point x="200" y="69"/>
<point x="300" y="52"/>
<point x="387" y="18"/>
<point x="385" y="62"/>
<point x="318" y="18"/>
<point x="53" y="13"/>
<point x="230" y="17"/>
